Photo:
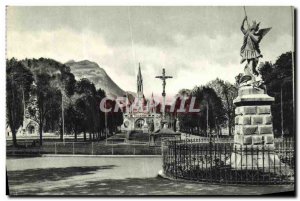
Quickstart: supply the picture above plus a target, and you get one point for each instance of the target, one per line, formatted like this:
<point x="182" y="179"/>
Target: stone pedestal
<point x="253" y="137"/>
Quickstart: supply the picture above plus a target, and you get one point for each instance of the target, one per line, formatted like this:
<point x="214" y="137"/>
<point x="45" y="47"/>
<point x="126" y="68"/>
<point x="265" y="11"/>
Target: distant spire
<point x="139" y="81"/>
<point x="140" y="73"/>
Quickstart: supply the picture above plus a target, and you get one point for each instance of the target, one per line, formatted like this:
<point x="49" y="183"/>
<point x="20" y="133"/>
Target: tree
<point x="48" y="101"/>
<point x="211" y="114"/>
<point x="65" y="82"/>
<point x="100" y="94"/>
<point x="227" y="92"/>
<point x="86" y="110"/>
<point x="278" y="78"/>
<point x="59" y="79"/>
<point x="114" y="118"/>
<point x="75" y="120"/>
<point x="18" y="82"/>
<point x="87" y="106"/>
<point x="210" y="106"/>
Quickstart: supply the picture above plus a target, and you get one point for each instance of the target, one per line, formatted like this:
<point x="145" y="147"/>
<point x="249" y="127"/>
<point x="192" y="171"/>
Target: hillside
<point x="96" y="74"/>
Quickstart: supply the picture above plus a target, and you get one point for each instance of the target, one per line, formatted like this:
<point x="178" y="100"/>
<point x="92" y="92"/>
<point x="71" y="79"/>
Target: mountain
<point x="96" y="74"/>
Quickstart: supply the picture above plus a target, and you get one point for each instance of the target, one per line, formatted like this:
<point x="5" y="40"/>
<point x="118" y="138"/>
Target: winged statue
<point x="250" y="51"/>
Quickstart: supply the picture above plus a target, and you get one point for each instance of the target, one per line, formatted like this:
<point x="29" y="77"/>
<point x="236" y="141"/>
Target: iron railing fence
<point x="229" y="164"/>
<point x="85" y="148"/>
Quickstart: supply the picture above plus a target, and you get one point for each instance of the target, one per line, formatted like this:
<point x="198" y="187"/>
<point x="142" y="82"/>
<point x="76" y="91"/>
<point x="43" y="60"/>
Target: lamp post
<point x="207" y="124"/>
<point x="281" y="111"/>
<point x="284" y="81"/>
<point x="61" y="86"/>
<point x="105" y="117"/>
<point x="63" y="116"/>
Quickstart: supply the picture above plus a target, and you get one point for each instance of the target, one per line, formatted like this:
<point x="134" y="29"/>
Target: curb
<point x="163" y="176"/>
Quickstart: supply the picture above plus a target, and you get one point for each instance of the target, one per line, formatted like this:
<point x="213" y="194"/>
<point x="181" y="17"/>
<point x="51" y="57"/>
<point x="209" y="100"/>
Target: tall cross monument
<point x="163" y="77"/>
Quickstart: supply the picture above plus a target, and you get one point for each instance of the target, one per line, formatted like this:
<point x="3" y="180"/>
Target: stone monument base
<point x="254" y="158"/>
<point x="253" y="137"/>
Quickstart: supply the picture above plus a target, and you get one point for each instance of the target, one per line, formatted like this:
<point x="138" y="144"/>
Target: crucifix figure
<point x="163" y="77"/>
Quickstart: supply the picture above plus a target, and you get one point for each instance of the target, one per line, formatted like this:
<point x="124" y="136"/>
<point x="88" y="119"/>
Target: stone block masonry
<point x="252" y="123"/>
<point x="253" y="127"/>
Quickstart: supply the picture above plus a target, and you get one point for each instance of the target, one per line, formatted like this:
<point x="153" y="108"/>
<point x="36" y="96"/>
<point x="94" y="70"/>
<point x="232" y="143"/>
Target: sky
<point x="194" y="44"/>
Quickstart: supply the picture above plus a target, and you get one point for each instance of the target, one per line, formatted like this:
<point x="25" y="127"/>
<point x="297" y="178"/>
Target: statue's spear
<point x="246" y="16"/>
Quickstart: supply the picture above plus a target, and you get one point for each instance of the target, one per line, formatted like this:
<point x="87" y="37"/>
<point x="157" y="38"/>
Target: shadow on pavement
<point x="20" y="177"/>
<point x="156" y="186"/>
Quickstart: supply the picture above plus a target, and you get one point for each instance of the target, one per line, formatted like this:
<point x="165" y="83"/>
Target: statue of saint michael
<point x="250" y="51"/>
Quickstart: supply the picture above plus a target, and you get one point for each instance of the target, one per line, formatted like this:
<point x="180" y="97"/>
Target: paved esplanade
<point x="119" y="175"/>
